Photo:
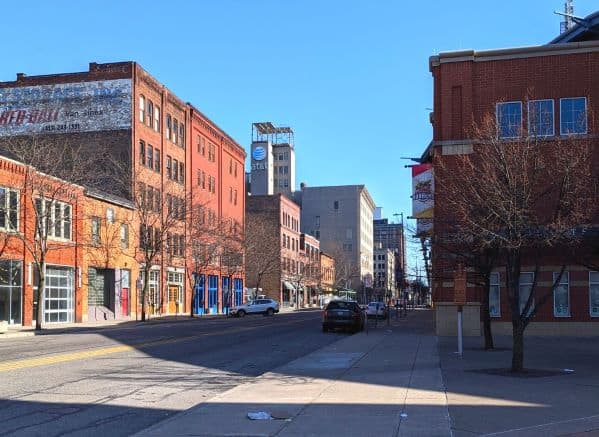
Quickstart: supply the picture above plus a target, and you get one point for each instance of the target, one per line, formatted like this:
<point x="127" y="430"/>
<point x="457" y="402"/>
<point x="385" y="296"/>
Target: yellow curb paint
<point x="99" y="352"/>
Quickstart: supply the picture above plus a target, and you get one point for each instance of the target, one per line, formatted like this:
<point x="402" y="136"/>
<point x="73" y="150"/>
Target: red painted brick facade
<point x="467" y="87"/>
<point x="158" y="131"/>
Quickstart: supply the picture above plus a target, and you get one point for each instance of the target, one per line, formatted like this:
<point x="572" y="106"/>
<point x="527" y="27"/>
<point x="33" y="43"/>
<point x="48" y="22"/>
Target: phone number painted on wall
<point x="71" y="107"/>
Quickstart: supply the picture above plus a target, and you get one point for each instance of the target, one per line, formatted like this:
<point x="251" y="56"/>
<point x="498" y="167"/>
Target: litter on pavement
<point x="261" y="415"/>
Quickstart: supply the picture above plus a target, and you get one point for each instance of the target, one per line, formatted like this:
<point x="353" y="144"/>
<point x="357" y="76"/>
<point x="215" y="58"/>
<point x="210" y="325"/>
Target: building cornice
<point x="513" y="53"/>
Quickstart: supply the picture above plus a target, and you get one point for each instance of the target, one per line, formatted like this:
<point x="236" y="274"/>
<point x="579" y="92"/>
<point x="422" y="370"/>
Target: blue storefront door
<point x="226" y="292"/>
<point x="213" y="294"/>
<point x="238" y="286"/>
<point x="198" y="299"/>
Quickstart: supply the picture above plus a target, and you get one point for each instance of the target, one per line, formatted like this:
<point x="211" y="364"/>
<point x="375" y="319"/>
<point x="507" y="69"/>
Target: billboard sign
<point x="422" y="191"/>
<point x="66" y="107"/>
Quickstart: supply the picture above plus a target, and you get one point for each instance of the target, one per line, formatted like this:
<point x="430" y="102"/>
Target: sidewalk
<point x="386" y="382"/>
<point x="553" y="402"/>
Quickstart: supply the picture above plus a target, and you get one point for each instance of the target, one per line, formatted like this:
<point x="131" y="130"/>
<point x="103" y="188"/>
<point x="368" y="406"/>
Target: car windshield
<point x="341" y="305"/>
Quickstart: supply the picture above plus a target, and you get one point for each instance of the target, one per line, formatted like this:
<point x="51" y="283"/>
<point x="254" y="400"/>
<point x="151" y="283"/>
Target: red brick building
<point x="559" y="80"/>
<point x="172" y="154"/>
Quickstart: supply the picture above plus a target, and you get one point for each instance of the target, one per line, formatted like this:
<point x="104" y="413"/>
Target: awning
<point x="288" y="285"/>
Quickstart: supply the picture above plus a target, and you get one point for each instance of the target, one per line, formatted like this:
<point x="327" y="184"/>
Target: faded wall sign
<point x="69" y="107"/>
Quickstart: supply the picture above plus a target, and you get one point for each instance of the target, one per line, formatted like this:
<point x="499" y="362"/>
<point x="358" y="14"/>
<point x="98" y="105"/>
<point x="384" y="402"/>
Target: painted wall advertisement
<point x="423" y="197"/>
<point x="69" y="107"/>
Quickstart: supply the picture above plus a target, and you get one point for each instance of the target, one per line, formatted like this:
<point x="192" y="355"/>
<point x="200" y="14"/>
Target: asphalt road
<point x="119" y="380"/>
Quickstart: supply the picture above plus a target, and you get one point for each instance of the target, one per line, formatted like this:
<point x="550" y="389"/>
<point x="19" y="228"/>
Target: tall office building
<point x="341" y="218"/>
<point x="273" y="160"/>
<point x="391" y="236"/>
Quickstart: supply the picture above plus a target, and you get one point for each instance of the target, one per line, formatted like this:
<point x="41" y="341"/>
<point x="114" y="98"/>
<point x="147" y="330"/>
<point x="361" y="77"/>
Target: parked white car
<point x="377" y="309"/>
<point x="268" y="307"/>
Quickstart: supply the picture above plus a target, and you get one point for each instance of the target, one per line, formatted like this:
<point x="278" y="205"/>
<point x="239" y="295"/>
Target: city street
<point x="120" y="380"/>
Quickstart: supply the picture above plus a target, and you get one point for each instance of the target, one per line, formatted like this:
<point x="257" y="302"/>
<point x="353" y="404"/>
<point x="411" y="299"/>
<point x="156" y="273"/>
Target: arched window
<point x="142" y="108"/>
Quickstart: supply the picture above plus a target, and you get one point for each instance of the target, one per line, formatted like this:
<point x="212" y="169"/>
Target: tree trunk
<point x="144" y="289"/>
<point x="518" y="348"/>
<point x="40" y="297"/>
<point x="487" y="315"/>
<point x="513" y="283"/>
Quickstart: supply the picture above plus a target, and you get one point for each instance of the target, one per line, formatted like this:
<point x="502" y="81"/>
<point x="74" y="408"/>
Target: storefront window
<point x="561" y="296"/>
<point x="10" y="291"/>
<point x="494" y="302"/>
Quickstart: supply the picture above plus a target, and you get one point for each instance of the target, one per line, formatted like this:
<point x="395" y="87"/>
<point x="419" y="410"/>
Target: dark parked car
<point x="343" y="314"/>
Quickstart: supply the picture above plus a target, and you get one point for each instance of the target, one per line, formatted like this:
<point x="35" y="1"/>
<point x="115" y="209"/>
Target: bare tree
<point x="262" y="249"/>
<point x="49" y="180"/>
<point x="205" y="234"/>
<point x="346" y="270"/>
<point x="525" y="197"/>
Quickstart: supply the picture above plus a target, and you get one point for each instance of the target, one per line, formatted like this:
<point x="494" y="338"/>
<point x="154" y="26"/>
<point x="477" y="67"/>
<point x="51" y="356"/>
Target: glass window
<point x="175" y="136"/>
<point x="150" y="156"/>
<point x="142" y="152"/>
<point x="594" y="293"/>
<point x="336" y="204"/>
<point x="124" y="234"/>
<point x="526" y="281"/>
<point x="150" y="113"/>
<point x="175" y="170"/>
<point x="573" y="116"/>
<point x="509" y="119"/>
<point x="181" y="172"/>
<point x="9" y="209"/>
<point x="157" y="119"/>
<point x="494" y="296"/>
<point x="168" y="126"/>
<point x="182" y="135"/>
<point x="142" y="108"/>
<point x="157" y="160"/>
<point x="561" y="296"/>
<point x="95" y="230"/>
<point x="168" y="167"/>
<point x="540" y="118"/>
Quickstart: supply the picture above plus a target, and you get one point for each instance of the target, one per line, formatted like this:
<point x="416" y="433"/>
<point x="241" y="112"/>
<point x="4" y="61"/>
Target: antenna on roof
<point x="568" y="15"/>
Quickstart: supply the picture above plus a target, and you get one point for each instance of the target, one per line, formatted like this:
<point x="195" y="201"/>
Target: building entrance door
<point x="173" y="298"/>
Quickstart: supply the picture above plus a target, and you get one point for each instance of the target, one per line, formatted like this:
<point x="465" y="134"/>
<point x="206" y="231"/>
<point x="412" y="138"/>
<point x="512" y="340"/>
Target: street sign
<point x="459" y="286"/>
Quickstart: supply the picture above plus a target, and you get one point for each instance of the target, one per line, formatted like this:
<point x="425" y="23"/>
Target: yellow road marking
<point x="99" y="352"/>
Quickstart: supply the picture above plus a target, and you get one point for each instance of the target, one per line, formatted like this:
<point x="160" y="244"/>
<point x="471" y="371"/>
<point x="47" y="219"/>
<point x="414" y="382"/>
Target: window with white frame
<point x="142" y="108"/>
<point x="95" y="234"/>
<point x="509" y="119"/>
<point x="157" y="118"/>
<point x="54" y="218"/>
<point x="561" y="296"/>
<point x="573" y="115"/>
<point x="124" y="236"/>
<point x="9" y="209"/>
<point x="594" y="294"/>
<point x="494" y="295"/>
<point x="526" y="281"/>
<point x="540" y="118"/>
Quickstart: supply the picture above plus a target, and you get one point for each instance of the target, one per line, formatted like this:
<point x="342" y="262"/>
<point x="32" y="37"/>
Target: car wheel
<point x="270" y="312"/>
<point x="240" y="313"/>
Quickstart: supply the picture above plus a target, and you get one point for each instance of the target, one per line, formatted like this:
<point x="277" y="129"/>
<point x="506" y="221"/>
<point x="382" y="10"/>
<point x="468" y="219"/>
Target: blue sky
<point x="350" y="77"/>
